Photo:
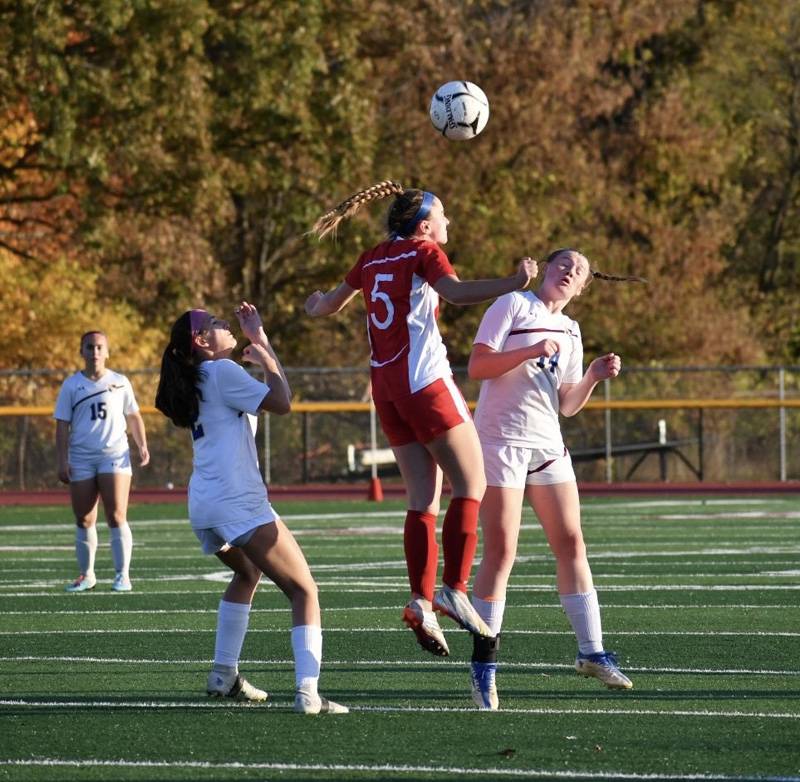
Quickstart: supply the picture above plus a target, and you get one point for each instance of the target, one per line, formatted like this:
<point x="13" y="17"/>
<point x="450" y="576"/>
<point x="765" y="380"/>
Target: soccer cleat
<point x="81" y="584"/>
<point x="429" y="635"/>
<point x="121" y="583"/>
<point x="238" y="688"/>
<point x="457" y="606"/>
<point x="484" y="690"/>
<point x="306" y="703"/>
<point x="603" y="666"/>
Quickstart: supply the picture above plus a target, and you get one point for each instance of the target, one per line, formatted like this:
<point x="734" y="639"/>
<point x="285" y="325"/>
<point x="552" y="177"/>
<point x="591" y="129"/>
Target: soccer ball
<point x="459" y="110"/>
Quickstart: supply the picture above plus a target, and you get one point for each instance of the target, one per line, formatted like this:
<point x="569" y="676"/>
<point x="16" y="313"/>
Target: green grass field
<point x="699" y="598"/>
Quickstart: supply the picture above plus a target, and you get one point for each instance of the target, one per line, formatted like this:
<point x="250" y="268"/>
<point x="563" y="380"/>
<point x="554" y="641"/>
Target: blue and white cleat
<point x="82" y="583"/>
<point x="121" y="583"/>
<point x="603" y="666"/>
<point x="484" y="689"/>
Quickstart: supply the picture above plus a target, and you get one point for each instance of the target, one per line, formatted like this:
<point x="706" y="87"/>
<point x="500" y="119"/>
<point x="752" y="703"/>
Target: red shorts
<point x="420" y="417"/>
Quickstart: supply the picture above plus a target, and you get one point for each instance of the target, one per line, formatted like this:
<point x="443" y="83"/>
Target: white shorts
<point x="514" y="467"/>
<point x="224" y="536"/>
<point x="82" y="469"/>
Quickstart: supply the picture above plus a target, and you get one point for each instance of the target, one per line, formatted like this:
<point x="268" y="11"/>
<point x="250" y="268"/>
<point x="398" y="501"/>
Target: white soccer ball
<point x="459" y="110"/>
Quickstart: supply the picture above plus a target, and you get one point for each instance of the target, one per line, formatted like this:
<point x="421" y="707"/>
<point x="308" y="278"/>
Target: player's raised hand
<point x="605" y="367"/>
<point x="255" y="354"/>
<point x="249" y="320"/>
<point x="526" y="271"/>
<point x="311" y="303"/>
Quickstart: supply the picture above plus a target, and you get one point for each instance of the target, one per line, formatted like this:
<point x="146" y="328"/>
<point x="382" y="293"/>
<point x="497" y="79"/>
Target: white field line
<point x="402" y="630"/>
<point x="511" y="608"/>
<point x="24" y="563"/>
<point x="384" y="768"/>
<point x="391" y="664"/>
<point x="344" y="568"/>
<point x="596" y="550"/>
<point x="360" y="586"/>
<point x="598" y="505"/>
<point x="635" y="524"/>
<point x="206" y="704"/>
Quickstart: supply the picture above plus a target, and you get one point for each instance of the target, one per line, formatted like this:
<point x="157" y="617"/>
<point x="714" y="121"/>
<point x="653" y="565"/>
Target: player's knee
<point x="500" y="553"/>
<point x="570" y="546"/>
<point x="305" y="591"/>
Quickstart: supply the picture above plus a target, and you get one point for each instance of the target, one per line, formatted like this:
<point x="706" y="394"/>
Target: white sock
<point x="85" y="548"/>
<point x="491" y="611"/>
<point x="121" y="547"/>
<point x="307" y="650"/>
<point x="232" y="621"/>
<point x="583" y="612"/>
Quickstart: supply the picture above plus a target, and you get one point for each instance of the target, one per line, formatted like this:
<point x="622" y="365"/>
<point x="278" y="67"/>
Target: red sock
<point x="460" y="540"/>
<point x="422" y="553"/>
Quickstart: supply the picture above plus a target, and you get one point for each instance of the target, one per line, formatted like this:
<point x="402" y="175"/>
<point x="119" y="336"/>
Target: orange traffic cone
<point x="375" y="490"/>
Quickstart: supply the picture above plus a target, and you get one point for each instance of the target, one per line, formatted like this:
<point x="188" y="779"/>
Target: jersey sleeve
<point x="353" y="277"/>
<point x="574" y="370"/>
<point x="496" y="323"/>
<point x="435" y="264"/>
<point x="237" y="388"/>
<point x="63" y="411"/>
<point x="129" y="404"/>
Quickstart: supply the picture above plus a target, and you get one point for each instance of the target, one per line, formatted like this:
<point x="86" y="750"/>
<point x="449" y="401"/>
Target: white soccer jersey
<point x="226" y="485"/>
<point x="95" y="411"/>
<point x="521" y="406"/>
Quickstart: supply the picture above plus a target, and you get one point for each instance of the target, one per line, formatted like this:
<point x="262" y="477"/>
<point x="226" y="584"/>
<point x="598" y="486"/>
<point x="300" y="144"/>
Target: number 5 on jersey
<point x="387" y="302"/>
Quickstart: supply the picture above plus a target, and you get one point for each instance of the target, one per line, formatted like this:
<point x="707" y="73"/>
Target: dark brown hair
<point x="178" y="396"/>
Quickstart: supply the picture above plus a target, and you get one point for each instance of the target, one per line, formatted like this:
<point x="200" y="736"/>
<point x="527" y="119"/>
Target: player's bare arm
<point x="572" y="397"/>
<point x="457" y="291"/>
<point x="320" y="304"/>
<point x="486" y="363"/>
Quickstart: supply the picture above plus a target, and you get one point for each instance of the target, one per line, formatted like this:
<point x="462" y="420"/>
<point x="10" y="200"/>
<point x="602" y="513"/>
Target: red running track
<point x="392" y="490"/>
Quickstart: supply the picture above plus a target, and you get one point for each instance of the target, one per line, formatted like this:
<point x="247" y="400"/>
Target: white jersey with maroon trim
<point x="397" y="278"/>
<point x="521" y="407"/>
<point x="96" y="411"/>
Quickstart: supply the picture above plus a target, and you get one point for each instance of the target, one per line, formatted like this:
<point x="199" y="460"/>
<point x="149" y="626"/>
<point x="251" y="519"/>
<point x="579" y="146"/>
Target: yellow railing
<point x="599" y="404"/>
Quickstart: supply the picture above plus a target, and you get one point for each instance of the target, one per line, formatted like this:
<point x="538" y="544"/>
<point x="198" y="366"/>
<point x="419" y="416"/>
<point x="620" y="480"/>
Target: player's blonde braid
<point x="329" y="222"/>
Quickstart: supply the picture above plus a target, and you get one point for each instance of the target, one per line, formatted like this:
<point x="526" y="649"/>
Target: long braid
<point x="615" y="277"/>
<point x="329" y="222"/>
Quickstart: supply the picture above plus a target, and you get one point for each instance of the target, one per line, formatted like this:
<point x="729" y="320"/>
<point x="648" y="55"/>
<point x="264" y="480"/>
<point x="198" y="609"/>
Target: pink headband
<point x="197" y="319"/>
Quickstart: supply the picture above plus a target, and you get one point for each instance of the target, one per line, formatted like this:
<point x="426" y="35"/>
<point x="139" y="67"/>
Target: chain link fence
<point x="681" y="444"/>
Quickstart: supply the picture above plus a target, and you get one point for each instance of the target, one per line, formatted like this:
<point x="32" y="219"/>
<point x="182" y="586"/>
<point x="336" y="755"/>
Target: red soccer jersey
<point x="397" y="278"/>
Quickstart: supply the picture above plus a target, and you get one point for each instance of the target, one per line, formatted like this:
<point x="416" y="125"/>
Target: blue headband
<point x="423" y="211"/>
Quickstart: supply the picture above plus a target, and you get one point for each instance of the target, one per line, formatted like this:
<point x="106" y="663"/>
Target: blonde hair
<point x="406" y="203"/>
